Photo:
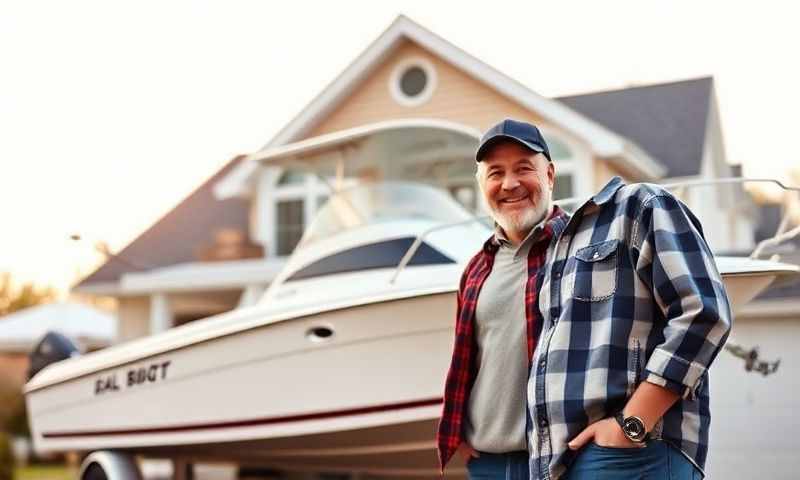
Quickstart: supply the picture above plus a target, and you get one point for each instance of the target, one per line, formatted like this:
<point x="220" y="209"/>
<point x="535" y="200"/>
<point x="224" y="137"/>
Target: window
<point x="465" y="195"/>
<point x="387" y="254"/>
<point x="563" y="187"/>
<point x="297" y="196"/>
<point x="558" y="149"/>
<point x="290" y="225"/>
<point x="292" y="177"/>
<point x="566" y="168"/>
<point x="412" y="82"/>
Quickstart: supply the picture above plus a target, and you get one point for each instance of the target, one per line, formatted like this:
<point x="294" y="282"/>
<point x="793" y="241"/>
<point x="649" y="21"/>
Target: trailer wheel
<point x="94" y="472"/>
<point x="108" y="465"/>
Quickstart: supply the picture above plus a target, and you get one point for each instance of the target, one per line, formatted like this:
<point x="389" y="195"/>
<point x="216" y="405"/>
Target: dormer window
<point x="565" y="168"/>
<point x="412" y="82"/>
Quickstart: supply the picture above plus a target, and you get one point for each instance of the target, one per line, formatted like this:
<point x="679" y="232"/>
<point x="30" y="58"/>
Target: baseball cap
<point x="523" y="133"/>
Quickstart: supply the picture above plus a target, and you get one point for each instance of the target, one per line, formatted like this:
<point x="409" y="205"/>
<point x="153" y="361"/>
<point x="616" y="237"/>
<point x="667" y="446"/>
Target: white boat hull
<point x="383" y="367"/>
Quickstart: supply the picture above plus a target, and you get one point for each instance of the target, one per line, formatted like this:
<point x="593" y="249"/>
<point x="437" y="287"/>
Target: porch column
<point x="160" y="313"/>
<point x="182" y="469"/>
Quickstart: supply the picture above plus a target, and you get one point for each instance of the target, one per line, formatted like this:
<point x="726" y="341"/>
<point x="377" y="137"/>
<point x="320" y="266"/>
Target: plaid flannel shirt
<point x="630" y="292"/>
<point x="463" y="368"/>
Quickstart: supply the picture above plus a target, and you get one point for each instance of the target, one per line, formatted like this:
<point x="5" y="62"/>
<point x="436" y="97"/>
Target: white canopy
<point x="89" y="326"/>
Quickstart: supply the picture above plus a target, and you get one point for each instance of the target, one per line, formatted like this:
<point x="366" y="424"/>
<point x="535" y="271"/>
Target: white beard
<point x="527" y="219"/>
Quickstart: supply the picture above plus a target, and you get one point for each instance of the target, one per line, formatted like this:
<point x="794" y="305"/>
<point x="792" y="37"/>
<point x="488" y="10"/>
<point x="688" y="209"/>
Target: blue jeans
<point x="499" y="466"/>
<point x="657" y="461"/>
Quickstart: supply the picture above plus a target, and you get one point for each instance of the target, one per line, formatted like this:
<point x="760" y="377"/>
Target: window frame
<point x="397" y="74"/>
<point x="309" y="192"/>
<point x="579" y="165"/>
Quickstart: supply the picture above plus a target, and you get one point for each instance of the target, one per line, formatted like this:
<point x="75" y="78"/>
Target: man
<point x="496" y="321"/>
<point x="633" y="313"/>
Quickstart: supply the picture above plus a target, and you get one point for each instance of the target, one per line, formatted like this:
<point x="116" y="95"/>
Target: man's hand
<point x="467" y="452"/>
<point x="649" y="402"/>
<point x="606" y="433"/>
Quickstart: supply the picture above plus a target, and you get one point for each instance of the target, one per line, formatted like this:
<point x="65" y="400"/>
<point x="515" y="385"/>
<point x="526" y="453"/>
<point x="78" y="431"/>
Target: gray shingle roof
<point x="667" y="120"/>
<point x="790" y="289"/>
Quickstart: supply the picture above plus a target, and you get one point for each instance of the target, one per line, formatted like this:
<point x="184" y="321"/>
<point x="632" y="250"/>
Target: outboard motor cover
<point x="54" y="347"/>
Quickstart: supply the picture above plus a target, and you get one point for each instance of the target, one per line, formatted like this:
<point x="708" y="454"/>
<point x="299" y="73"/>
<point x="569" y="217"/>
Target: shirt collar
<point x="502" y="240"/>
<point x="608" y="191"/>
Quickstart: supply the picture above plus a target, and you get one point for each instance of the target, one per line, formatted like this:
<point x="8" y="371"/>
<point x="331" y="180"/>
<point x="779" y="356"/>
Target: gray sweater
<point x="496" y="408"/>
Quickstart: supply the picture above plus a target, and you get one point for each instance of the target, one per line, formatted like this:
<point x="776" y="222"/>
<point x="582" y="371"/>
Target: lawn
<point x="48" y="472"/>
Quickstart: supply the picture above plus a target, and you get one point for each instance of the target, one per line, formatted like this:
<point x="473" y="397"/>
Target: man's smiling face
<point x="517" y="184"/>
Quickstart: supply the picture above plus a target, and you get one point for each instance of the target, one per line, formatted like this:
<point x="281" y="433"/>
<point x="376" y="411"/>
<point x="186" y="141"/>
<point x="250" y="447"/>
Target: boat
<point x="339" y="368"/>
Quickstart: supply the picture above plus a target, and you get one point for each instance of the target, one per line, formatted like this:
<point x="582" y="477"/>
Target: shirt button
<point x="543" y="423"/>
<point x="557" y="275"/>
<point x="542" y="363"/>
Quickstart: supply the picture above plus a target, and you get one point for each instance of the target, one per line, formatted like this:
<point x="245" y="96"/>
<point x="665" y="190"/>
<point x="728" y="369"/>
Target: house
<point x="411" y="107"/>
<point x="221" y="246"/>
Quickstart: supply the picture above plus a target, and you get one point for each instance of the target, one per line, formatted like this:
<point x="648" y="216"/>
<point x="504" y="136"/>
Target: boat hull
<point x="382" y="368"/>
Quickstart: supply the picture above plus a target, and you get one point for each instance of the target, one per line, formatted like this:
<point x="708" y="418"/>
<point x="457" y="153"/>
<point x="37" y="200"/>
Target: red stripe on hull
<point x="253" y="422"/>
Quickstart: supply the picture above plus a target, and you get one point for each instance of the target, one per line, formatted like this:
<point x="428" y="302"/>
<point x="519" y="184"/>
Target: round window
<point x="412" y="82"/>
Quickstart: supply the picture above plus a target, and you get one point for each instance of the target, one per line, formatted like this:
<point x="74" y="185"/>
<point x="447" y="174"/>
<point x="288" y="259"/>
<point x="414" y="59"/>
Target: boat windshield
<point x="375" y="203"/>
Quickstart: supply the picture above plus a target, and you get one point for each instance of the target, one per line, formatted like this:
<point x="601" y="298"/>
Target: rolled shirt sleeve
<point x="676" y="263"/>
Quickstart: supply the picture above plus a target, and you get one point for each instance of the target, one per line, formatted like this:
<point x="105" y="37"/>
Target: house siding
<point x="458" y="98"/>
<point x="13" y="368"/>
<point x="605" y="171"/>
<point x="134" y="318"/>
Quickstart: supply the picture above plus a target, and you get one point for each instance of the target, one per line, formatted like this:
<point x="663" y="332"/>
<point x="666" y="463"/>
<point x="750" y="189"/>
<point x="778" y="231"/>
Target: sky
<point x="112" y="112"/>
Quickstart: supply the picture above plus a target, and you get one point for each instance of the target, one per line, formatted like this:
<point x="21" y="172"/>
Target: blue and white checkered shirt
<point x="629" y="293"/>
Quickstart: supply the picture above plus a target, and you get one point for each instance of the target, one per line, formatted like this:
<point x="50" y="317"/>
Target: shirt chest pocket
<point x="595" y="276"/>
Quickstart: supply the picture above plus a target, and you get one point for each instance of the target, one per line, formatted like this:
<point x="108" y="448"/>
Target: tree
<point x="14" y="298"/>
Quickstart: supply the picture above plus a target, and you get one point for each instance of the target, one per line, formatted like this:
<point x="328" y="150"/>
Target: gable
<point x="456" y="97"/>
<point x="479" y="95"/>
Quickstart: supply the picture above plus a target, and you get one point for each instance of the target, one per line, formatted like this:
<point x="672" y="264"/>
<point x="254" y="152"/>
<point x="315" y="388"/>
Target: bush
<point x="17" y="423"/>
<point x="6" y="458"/>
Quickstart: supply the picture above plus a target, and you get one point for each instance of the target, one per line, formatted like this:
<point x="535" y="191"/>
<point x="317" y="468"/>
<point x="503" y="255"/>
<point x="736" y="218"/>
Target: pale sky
<point x="112" y="112"/>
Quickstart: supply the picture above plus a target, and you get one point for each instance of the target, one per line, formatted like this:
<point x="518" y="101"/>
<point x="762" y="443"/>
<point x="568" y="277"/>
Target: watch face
<point x="634" y="428"/>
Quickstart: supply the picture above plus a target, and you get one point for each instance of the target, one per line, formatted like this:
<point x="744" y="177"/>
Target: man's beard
<point x="527" y="219"/>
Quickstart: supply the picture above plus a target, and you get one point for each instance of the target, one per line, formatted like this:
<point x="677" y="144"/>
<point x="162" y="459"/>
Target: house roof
<point x="603" y="140"/>
<point x="769" y="219"/>
<point x="790" y="289"/>
<point x="175" y="237"/>
<point x="667" y="120"/>
<point x="21" y="330"/>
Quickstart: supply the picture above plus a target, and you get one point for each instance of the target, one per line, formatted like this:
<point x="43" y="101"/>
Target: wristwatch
<point x="632" y="427"/>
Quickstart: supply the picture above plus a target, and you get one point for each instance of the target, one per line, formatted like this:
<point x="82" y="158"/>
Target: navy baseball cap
<point x="521" y="132"/>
